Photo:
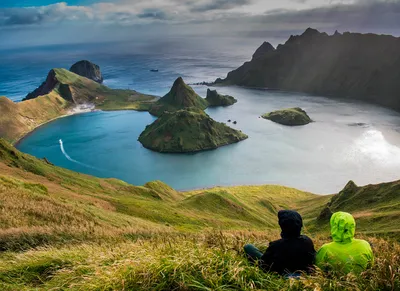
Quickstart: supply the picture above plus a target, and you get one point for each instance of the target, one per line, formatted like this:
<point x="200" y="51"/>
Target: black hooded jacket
<point x="292" y="253"/>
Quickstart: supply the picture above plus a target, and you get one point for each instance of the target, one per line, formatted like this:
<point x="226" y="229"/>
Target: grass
<point x="209" y="261"/>
<point x="180" y="96"/>
<point x="62" y="230"/>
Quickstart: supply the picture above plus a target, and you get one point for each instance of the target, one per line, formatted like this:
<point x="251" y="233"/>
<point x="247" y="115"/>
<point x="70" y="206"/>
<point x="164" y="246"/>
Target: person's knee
<point x="247" y="248"/>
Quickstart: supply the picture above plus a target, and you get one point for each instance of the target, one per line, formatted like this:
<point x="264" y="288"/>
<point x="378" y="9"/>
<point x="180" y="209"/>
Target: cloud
<point x="153" y="14"/>
<point x="219" y="5"/>
<point x="37" y="15"/>
<point x="247" y="17"/>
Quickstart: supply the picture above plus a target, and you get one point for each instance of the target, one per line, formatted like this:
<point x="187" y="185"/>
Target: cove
<point x="347" y="141"/>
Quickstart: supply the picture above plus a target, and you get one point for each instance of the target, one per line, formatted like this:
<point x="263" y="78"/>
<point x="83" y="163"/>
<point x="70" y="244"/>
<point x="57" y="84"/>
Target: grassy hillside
<point x="67" y="90"/>
<point x="180" y="96"/>
<point x="17" y="119"/>
<point x="61" y="230"/>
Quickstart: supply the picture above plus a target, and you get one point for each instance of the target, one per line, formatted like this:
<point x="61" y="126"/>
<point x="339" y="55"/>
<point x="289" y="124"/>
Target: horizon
<point x="47" y="22"/>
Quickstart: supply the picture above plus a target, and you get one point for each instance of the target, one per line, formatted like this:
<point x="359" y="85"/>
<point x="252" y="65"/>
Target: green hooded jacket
<point x="345" y="253"/>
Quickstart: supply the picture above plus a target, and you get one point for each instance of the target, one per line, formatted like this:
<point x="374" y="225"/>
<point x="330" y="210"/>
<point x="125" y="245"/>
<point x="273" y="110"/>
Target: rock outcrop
<point x="185" y="131"/>
<point x="215" y="99"/>
<point x="348" y="65"/>
<point x="291" y="117"/>
<point x="88" y="70"/>
<point x="180" y="96"/>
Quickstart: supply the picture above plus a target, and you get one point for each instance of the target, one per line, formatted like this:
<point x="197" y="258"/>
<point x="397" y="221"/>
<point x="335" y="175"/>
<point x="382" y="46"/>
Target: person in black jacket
<point x="292" y="254"/>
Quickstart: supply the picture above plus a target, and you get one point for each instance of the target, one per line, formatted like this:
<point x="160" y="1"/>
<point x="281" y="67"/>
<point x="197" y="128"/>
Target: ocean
<point x="347" y="141"/>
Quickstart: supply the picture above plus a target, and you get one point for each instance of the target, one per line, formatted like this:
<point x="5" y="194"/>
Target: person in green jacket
<point x="345" y="254"/>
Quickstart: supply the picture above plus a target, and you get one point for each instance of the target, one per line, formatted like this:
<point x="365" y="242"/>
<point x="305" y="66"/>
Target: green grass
<point x="62" y="230"/>
<point x="180" y="96"/>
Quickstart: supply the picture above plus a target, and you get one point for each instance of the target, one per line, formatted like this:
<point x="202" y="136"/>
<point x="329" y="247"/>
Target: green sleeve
<point x="320" y="259"/>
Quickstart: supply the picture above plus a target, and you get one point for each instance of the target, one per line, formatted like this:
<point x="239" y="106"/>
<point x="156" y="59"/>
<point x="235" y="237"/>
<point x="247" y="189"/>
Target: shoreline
<point x="19" y="140"/>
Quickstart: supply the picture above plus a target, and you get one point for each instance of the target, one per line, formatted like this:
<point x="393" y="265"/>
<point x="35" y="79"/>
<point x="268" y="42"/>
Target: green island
<point x="57" y="97"/>
<point x="62" y="230"/>
<point x="215" y="99"/>
<point x="291" y="117"/>
<point x="186" y="131"/>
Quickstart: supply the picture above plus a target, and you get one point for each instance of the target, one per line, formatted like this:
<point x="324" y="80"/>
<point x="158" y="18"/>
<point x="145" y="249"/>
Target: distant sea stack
<point x="187" y="131"/>
<point x="215" y="99"/>
<point x="348" y="65"/>
<point x="179" y="97"/>
<point x="290" y="117"/>
<point x="88" y="70"/>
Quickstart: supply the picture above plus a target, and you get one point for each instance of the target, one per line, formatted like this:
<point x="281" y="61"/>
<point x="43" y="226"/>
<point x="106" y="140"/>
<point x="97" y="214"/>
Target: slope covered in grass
<point x="61" y="91"/>
<point x="180" y="96"/>
<point x="186" y="131"/>
<point x="61" y="230"/>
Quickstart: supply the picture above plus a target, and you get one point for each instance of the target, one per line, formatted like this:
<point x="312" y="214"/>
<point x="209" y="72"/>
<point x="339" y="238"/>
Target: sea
<point x="348" y="140"/>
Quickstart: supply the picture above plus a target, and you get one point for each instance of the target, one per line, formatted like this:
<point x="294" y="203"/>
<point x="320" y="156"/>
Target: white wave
<point x="71" y="159"/>
<point x="82" y="108"/>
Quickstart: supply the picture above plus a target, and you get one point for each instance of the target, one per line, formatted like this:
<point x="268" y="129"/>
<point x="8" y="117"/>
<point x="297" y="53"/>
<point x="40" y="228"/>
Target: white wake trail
<point x="71" y="159"/>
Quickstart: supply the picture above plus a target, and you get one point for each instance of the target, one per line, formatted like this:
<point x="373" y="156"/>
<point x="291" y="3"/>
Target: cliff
<point x="88" y="70"/>
<point x="349" y="65"/>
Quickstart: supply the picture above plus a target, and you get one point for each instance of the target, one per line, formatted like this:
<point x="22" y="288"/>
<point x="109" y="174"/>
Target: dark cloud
<point x="153" y="14"/>
<point x="219" y="5"/>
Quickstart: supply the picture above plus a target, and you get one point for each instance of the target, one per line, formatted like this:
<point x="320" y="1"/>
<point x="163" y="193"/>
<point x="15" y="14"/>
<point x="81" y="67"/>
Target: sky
<point x="34" y="22"/>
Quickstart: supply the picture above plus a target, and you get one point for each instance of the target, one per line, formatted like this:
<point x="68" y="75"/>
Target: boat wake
<point x="71" y="159"/>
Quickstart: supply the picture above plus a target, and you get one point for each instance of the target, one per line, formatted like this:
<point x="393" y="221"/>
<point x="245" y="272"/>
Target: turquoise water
<point x="320" y="157"/>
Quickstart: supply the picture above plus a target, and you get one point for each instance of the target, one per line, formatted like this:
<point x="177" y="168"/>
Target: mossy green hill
<point x="291" y="117"/>
<point x="61" y="230"/>
<point x="62" y="91"/>
<point x="186" y="131"/>
<point x="180" y="96"/>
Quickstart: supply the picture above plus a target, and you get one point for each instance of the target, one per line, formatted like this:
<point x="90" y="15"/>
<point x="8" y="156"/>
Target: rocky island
<point x="215" y="99"/>
<point x="189" y="130"/>
<point x="88" y="70"/>
<point x="179" y="97"/>
<point x="61" y="92"/>
<point x="291" y="117"/>
<point x="348" y="65"/>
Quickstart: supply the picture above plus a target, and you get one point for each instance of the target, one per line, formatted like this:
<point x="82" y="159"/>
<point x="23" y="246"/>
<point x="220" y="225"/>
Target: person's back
<point x="292" y="253"/>
<point x="345" y="254"/>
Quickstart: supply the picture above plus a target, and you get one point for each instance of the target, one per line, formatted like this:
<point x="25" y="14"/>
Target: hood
<point x="290" y="223"/>
<point x="343" y="227"/>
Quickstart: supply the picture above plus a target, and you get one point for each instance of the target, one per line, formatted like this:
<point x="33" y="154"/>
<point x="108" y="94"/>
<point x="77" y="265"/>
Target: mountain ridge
<point x="349" y="65"/>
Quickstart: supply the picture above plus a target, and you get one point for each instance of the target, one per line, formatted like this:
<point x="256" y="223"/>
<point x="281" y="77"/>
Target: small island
<point x="291" y="117"/>
<point x="214" y="99"/>
<point x="180" y="96"/>
<point x="186" y="131"/>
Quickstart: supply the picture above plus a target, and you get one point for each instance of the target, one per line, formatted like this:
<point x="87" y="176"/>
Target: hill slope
<point x="62" y="91"/>
<point x="104" y="234"/>
<point x="180" y="96"/>
<point x="349" y="65"/>
<point x="187" y="131"/>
